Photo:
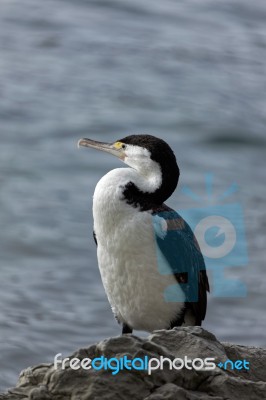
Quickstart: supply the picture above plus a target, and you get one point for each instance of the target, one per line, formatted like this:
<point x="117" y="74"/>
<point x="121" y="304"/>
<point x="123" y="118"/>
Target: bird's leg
<point x="126" y="329"/>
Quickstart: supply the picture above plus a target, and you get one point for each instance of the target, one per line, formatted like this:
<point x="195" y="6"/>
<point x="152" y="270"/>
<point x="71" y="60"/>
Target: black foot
<point x="180" y="319"/>
<point x="126" y="329"/>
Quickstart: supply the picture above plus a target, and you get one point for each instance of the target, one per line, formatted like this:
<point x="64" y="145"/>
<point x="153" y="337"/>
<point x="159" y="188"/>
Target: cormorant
<point x="151" y="265"/>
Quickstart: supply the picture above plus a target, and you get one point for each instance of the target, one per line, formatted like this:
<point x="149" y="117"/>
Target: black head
<point x="161" y="153"/>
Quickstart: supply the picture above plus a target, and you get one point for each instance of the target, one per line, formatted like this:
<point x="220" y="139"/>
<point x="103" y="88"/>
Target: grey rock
<point x="44" y="382"/>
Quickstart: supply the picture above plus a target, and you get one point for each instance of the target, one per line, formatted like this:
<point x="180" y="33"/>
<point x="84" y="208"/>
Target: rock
<point x="44" y="382"/>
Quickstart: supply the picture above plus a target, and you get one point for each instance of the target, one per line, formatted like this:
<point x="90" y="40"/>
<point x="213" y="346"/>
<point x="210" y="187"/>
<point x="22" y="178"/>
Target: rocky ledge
<point x="241" y="374"/>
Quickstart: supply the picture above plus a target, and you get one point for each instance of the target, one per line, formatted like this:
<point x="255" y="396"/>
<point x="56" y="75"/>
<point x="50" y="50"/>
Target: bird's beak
<point x="114" y="148"/>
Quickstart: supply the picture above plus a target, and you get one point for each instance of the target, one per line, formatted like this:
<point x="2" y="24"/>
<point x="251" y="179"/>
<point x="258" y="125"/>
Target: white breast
<point x="127" y="257"/>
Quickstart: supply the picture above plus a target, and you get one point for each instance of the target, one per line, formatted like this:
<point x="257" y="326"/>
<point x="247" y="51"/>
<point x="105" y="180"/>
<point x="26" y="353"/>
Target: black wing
<point x="178" y="245"/>
<point x="95" y="238"/>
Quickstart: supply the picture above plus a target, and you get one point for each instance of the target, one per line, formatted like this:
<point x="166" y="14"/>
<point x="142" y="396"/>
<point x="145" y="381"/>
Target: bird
<point x="151" y="266"/>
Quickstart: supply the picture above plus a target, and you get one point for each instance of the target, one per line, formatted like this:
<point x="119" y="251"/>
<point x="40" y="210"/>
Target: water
<point x="190" y="72"/>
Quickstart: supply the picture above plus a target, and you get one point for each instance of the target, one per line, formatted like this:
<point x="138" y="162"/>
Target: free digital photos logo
<point x="218" y="225"/>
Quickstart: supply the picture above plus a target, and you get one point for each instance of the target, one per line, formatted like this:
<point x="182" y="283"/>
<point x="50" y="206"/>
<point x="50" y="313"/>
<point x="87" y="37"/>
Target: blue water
<point x="190" y="72"/>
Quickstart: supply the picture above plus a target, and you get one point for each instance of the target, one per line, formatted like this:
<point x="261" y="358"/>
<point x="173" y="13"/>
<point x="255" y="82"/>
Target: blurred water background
<point x="191" y="72"/>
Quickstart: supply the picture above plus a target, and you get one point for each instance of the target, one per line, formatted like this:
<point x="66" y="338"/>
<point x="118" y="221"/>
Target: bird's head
<point x="149" y="156"/>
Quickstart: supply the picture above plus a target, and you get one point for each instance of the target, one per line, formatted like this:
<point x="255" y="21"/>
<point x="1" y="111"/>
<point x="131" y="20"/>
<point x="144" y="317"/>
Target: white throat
<point x="147" y="173"/>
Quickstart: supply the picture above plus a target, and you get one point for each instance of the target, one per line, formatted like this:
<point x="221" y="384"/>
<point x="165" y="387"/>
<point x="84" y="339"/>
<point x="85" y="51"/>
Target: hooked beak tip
<point x="80" y="143"/>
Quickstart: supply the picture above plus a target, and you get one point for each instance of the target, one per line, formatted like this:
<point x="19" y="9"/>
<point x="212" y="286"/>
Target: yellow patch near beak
<point x="118" y="145"/>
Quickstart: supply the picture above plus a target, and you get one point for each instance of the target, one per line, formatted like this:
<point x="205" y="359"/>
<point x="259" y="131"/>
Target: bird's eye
<point x="123" y="146"/>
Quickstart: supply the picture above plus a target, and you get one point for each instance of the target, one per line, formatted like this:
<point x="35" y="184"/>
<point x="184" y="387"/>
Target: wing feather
<point x="180" y="248"/>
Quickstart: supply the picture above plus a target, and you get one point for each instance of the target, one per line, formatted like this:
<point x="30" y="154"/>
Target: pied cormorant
<point x="151" y="265"/>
